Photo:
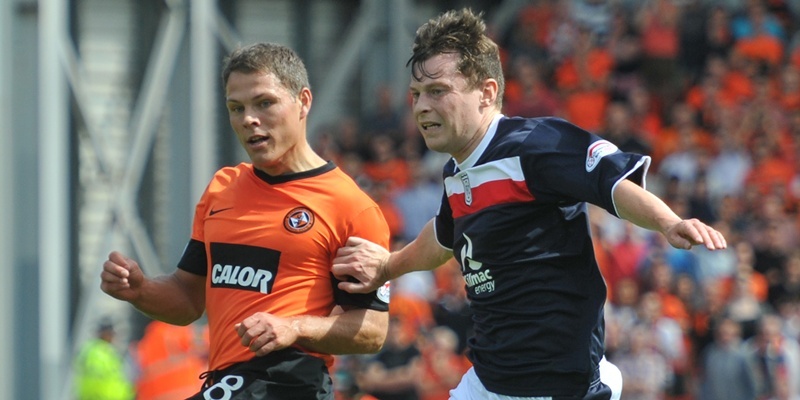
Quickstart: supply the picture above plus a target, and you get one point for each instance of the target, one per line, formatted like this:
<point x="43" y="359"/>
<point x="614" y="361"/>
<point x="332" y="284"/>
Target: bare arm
<point x="646" y="210"/>
<point x="372" y="265"/>
<point x="352" y="332"/>
<point x="178" y="298"/>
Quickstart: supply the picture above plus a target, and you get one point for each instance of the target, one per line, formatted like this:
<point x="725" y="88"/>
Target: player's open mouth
<point x="257" y="139"/>
<point x="426" y="125"/>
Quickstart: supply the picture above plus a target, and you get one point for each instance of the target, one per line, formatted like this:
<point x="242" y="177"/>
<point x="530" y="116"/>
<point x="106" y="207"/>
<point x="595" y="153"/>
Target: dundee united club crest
<point x="298" y="220"/>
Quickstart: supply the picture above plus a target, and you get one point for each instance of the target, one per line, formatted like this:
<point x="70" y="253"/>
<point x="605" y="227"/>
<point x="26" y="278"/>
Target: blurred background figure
<point x="392" y="374"/>
<point x="775" y="360"/>
<point x="442" y="365"/>
<point x="725" y="373"/>
<point x="169" y="361"/>
<point x="646" y="372"/>
<point x="100" y="372"/>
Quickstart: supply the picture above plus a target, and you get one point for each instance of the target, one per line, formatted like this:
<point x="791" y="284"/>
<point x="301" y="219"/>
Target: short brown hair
<point x="459" y="32"/>
<point x="273" y="58"/>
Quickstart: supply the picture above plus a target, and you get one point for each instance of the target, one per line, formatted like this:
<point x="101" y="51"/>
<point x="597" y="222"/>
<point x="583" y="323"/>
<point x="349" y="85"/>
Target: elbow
<point x="375" y="335"/>
<point x="188" y="319"/>
<point x="194" y="314"/>
<point x="376" y="344"/>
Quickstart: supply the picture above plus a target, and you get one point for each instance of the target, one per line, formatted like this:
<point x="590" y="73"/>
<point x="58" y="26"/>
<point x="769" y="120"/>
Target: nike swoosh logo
<point x="212" y="212"/>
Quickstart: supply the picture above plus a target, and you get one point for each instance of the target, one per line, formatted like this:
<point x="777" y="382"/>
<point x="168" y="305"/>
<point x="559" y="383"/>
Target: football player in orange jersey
<point x="263" y="240"/>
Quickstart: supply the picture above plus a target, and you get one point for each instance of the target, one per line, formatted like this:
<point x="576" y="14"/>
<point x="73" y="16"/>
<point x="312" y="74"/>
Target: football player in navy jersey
<point x="514" y="215"/>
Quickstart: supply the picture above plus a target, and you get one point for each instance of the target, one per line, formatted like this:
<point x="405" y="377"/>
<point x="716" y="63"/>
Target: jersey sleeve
<point x="371" y="225"/>
<point x="194" y="258"/>
<point x="568" y="164"/>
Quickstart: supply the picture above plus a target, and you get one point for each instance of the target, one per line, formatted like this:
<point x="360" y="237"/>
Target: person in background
<point x="725" y="373"/>
<point x="394" y="372"/>
<point x="514" y="216"/>
<point x="774" y="359"/>
<point x="100" y="372"/>
<point x="264" y="236"/>
<point x="646" y="371"/>
<point x="169" y="361"/>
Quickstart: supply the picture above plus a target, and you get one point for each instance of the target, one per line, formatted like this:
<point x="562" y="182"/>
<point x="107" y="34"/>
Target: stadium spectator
<point x="384" y="164"/>
<point x="668" y="337"/>
<point x="657" y="21"/>
<point x="393" y="373"/>
<point x="582" y="80"/>
<point x="619" y="129"/>
<point x="725" y="372"/>
<point x="645" y="371"/>
<point x="441" y="364"/>
<point x="100" y="370"/>
<point x="418" y="202"/>
<point x="527" y="94"/>
<point x="775" y="360"/>
<point x="169" y="361"/>
<point x="451" y="306"/>
<point x="787" y="288"/>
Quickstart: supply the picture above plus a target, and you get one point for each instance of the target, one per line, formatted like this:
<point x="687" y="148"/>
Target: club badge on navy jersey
<point x="467" y="189"/>
<point x="596" y="151"/>
<point x="384" y="292"/>
<point x="299" y="220"/>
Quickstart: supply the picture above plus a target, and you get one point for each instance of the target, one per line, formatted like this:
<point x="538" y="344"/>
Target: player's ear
<point x="305" y="98"/>
<point x="489" y="89"/>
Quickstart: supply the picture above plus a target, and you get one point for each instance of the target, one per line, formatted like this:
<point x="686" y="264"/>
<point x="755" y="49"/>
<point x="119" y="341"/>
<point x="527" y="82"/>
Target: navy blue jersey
<point x="515" y="215"/>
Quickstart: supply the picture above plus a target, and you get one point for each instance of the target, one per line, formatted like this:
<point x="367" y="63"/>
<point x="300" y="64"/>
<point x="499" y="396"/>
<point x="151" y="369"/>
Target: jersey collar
<point x="273" y="180"/>
<point x="470" y="161"/>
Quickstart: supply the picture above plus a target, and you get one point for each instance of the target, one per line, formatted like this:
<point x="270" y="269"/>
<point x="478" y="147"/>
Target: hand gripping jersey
<point x="514" y="214"/>
<point x="267" y="244"/>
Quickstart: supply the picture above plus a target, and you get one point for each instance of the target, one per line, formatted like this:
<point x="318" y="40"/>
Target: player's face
<point x="448" y="113"/>
<point x="269" y="121"/>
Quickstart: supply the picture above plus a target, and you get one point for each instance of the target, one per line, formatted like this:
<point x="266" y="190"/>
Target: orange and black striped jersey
<point x="266" y="243"/>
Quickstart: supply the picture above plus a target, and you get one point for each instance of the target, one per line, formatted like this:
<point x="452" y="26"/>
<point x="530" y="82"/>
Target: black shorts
<point x="288" y="374"/>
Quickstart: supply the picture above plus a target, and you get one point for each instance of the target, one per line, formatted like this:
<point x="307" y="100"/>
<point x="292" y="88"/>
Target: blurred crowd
<point x="711" y="91"/>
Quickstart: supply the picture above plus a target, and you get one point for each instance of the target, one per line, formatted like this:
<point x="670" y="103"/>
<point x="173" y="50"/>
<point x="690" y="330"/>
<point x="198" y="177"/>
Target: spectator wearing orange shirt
<point x="661" y="280"/>
<point x="658" y="23"/>
<point x="583" y="79"/>
<point x="384" y="164"/>
<point x="441" y="364"/>
<point x="770" y="171"/>
<point x="532" y="27"/>
<point x="755" y="282"/>
<point x="169" y="359"/>
<point x="789" y="88"/>
<point x="759" y="35"/>
<point x="645" y="114"/>
<point x="682" y="133"/>
<point x="527" y="94"/>
<point x="708" y="99"/>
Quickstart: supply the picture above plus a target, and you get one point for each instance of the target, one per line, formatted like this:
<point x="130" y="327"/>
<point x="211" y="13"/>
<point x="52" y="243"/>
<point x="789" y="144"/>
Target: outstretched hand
<point x="361" y="266"/>
<point x="691" y="232"/>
